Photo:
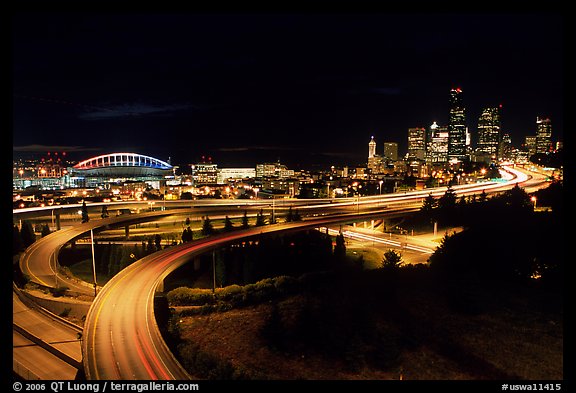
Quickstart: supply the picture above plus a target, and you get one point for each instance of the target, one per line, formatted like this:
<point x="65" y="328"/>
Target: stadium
<point x="122" y="165"/>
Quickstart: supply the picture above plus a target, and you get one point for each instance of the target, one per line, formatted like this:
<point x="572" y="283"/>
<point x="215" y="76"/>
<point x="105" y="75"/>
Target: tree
<point x="45" y="230"/>
<point x="228" y="224"/>
<point x="518" y="199"/>
<point x="158" y="241"/>
<point x="207" y="228"/>
<point x="245" y="220"/>
<point x="27" y="234"/>
<point x="340" y="247"/>
<point x="150" y="248"/>
<point x="85" y="217"/>
<point x="296" y="216"/>
<point x="289" y="216"/>
<point x="260" y="220"/>
<point x="483" y="197"/>
<point x="391" y="260"/>
<point x="493" y="172"/>
<point x="187" y="235"/>
<point x="187" y="221"/>
<point x="359" y="262"/>
<point x="448" y="200"/>
<point x="187" y="196"/>
<point x="16" y="239"/>
<point x="104" y="213"/>
<point x="428" y="205"/>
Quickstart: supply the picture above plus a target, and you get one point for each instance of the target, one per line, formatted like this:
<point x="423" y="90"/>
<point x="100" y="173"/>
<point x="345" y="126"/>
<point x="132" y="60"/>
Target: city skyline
<point x="302" y="88"/>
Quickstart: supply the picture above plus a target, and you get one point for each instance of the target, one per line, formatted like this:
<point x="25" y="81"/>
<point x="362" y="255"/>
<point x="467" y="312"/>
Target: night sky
<point x="305" y="88"/>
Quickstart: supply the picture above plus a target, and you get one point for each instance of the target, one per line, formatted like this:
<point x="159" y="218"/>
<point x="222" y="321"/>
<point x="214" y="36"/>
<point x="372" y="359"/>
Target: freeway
<point x="122" y="340"/>
<point x="35" y="331"/>
<point x="40" y="261"/>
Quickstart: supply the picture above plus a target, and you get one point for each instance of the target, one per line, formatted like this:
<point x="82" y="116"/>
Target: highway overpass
<point x="121" y="336"/>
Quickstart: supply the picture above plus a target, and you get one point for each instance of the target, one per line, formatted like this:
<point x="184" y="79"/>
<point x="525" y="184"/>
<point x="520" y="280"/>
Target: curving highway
<point x="41" y="338"/>
<point x="121" y="339"/>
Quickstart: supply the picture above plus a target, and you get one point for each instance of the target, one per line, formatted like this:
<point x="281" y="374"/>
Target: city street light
<point x="533" y="199"/>
<point x="381" y="181"/>
<point x="93" y="262"/>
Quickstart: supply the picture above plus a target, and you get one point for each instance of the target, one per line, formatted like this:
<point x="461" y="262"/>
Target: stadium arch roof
<point x="122" y="164"/>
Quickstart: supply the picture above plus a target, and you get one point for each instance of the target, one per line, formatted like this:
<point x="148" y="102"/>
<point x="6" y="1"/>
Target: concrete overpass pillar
<point x="127" y="232"/>
<point x="58" y="220"/>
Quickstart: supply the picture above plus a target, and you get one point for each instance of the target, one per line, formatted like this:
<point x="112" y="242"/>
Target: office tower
<point x="417" y="143"/>
<point x="457" y="127"/>
<point x="391" y="151"/>
<point x="437" y="146"/>
<point x="489" y="132"/>
<point x="505" y="147"/>
<point x="543" y="135"/>
<point x="273" y="169"/>
<point x="530" y="144"/>
<point x="374" y="160"/>
<point x="205" y="173"/>
<point x="371" y="148"/>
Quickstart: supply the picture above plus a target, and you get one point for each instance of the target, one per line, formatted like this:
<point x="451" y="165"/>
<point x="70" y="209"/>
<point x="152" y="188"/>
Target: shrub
<point x="285" y="285"/>
<point x="65" y="312"/>
<point x="231" y="293"/>
<point x="184" y="296"/>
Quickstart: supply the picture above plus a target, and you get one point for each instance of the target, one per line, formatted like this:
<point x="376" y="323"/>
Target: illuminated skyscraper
<point x="374" y="160"/>
<point x="543" y="135"/>
<point x="457" y="127"/>
<point x="391" y="151"/>
<point x="505" y="147"/>
<point x="489" y="132"/>
<point x="417" y="143"/>
<point x="371" y="148"/>
<point x="530" y="144"/>
<point x="437" y="146"/>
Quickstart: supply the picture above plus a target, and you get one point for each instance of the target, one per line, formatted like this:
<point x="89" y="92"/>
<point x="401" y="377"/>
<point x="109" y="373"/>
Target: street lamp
<point x="533" y="199"/>
<point x="256" y="189"/>
<point x="381" y="181"/>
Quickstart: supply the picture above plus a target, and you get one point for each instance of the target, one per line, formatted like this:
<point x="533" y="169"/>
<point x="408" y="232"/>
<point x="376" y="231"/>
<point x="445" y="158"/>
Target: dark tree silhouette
<point x="244" y="220"/>
<point x="187" y="235"/>
<point x="104" y="213"/>
<point x="391" y="260"/>
<point x="16" y="239"/>
<point x="290" y="215"/>
<point x="45" y="230"/>
<point x="340" y="247"/>
<point x="207" y="228"/>
<point x="27" y="234"/>
<point x="296" y="216"/>
<point x="228" y="224"/>
<point x="482" y="198"/>
<point x="260" y="220"/>
<point x="85" y="217"/>
<point x="429" y="204"/>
